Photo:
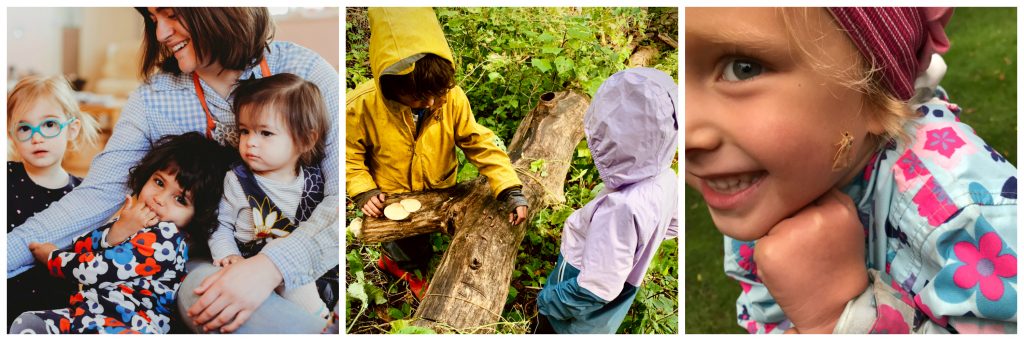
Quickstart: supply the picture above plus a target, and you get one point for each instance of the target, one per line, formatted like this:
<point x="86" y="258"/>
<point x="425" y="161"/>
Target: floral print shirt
<point x="940" y="217"/>
<point x="125" y="288"/>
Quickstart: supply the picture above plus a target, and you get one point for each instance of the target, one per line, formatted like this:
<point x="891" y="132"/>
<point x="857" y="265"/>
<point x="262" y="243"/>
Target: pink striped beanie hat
<point x="899" y="40"/>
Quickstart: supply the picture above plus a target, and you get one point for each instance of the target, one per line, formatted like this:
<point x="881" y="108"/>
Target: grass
<point x="981" y="78"/>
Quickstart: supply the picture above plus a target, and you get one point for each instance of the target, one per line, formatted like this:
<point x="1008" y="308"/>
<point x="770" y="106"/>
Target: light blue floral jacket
<point x="940" y="217"/>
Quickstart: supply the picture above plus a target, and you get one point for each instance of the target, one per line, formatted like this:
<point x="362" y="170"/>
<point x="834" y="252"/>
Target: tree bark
<point x="468" y="290"/>
<point x="643" y="56"/>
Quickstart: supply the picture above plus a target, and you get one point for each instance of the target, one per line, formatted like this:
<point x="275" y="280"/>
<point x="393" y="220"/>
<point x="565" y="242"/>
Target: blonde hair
<point x="56" y="89"/>
<point x="863" y="76"/>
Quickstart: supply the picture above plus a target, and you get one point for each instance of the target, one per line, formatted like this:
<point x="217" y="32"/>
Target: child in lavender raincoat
<point x="608" y="244"/>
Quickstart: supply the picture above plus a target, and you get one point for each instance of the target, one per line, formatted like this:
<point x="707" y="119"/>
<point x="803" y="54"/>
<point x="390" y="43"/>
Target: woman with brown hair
<point x="193" y="58"/>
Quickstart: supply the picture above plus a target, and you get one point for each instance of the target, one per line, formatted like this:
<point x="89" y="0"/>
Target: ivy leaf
<point x="355" y="264"/>
<point x="538" y="166"/>
<point x="551" y="50"/>
<point x="541" y="64"/>
<point x="512" y="293"/>
<point x="494" y="76"/>
<point x="546" y="37"/>
<point x="375" y="294"/>
<point x="580" y="34"/>
<point x="395" y="313"/>
<point x="358" y="292"/>
<point x="403" y="327"/>
<point x="563" y="65"/>
<point x="583" y="149"/>
<point x="578" y="176"/>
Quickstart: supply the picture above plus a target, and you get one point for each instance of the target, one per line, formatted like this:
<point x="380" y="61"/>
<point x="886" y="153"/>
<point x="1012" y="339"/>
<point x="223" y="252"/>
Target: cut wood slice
<point x="396" y="212"/>
<point x="411" y="205"/>
<point x="356" y="226"/>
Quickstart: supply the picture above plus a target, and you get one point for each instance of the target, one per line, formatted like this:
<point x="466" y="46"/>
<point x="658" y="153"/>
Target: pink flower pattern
<point x="889" y="321"/>
<point x="933" y="203"/>
<point x="983" y="266"/>
<point x="945" y="141"/>
<point x="747" y="259"/>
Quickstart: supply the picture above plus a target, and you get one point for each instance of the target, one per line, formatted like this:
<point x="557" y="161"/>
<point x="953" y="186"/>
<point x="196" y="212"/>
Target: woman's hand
<point x="231" y="295"/>
<point x="813" y="262"/>
<point x="134" y="216"/>
<point x="232" y="259"/>
<point x="41" y="251"/>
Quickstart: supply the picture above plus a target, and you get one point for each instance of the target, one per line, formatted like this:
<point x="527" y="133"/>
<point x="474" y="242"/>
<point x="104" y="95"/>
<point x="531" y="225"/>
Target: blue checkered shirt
<point x="168" y="105"/>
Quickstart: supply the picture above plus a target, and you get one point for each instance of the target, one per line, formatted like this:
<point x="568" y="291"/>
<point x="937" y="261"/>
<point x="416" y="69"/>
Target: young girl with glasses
<point x="43" y="121"/>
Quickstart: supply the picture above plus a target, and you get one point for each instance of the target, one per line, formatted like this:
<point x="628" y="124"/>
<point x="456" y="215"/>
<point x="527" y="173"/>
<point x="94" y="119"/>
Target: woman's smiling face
<point x="175" y="37"/>
<point x="763" y="116"/>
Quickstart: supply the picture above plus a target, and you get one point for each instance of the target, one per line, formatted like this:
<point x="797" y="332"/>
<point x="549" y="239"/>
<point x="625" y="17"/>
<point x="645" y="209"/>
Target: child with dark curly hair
<point x="129" y="270"/>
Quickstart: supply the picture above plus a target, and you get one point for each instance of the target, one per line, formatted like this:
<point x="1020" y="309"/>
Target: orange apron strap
<point x="210" y="123"/>
<point x="264" y="67"/>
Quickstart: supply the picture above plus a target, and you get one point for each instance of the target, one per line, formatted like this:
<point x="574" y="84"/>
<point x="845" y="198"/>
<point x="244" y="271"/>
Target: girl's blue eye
<point x="741" y="69"/>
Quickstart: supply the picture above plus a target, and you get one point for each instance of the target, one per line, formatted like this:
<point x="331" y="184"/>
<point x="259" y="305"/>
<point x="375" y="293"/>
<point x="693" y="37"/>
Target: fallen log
<point x="468" y="290"/>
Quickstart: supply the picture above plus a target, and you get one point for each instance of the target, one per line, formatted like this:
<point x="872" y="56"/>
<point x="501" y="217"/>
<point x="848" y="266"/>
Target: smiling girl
<point x="851" y="197"/>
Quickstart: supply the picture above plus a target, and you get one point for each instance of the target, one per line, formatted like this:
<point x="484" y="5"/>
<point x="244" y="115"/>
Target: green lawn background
<point x="981" y="78"/>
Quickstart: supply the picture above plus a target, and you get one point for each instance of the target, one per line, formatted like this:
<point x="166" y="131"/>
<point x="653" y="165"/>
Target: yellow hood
<point x="401" y="36"/>
<point x="384" y="148"/>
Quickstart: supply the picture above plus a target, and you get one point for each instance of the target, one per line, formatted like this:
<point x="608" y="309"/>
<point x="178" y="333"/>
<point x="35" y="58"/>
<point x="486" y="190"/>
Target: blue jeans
<point x="275" y="316"/>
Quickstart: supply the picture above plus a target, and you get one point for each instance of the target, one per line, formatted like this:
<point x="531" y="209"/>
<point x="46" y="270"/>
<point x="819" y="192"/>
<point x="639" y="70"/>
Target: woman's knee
<point x="28" y="323"/>
<point x="198" y="272"/>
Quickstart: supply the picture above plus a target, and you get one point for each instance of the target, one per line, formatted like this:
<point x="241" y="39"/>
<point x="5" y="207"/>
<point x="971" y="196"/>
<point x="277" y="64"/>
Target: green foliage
<point x="507" y="57"/>
<point x="357" y="57"/>
<point x="358" y="289"/>
<point x="656" y="308"/>
<point x="982" y="75"/>
<point x="403" y="327"/>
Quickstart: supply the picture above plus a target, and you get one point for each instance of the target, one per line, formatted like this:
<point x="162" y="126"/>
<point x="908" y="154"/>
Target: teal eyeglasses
<point x="48" y="128"/>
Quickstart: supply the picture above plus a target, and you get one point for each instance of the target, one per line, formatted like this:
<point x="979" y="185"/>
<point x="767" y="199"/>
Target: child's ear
<point x="311" y="141"/>
<point x="875" y="127"/>
<point x="74" y="129"/>
<point x="875" y="117"/>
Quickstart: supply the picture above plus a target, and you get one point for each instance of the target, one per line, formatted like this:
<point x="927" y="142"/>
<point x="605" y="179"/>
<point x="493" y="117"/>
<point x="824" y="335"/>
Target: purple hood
<point x="632" y="130"/>
<point x="632" y="125"/>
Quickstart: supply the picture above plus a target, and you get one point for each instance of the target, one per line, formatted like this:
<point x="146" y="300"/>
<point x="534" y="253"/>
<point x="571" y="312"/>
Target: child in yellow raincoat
<point x="404" y="125"/>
